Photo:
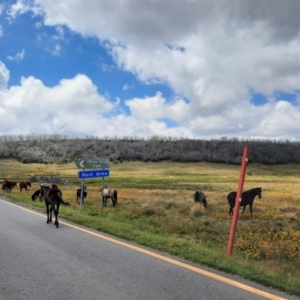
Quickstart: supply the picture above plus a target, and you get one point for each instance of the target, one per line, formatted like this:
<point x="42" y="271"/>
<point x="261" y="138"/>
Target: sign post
<point x="81" y="195"/>
<point x="102" y="164"/>
<point x="237" y="201"/>
<point x="101" y="200"/>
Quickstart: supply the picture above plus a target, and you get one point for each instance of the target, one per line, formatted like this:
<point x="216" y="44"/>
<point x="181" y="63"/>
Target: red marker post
<point x="237" y="201"/>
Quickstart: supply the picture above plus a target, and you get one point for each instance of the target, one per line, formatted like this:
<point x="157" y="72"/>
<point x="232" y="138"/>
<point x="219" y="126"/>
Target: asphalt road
<point x="40" y="262"/>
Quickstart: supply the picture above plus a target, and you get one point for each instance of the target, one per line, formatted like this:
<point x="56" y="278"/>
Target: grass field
<point x="155" y="208"/>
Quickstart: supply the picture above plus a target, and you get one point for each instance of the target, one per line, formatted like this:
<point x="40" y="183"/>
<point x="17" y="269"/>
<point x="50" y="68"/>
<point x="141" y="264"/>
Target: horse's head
<point x="29" y="183"/>
<point x="105" y="187"/>
<point x="258" y="191"/>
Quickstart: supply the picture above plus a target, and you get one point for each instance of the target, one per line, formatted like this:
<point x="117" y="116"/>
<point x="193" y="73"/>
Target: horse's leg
<point x="231" y="210"/>
<point x="47" y="210"/>
<point x="50" y="214"/>
<point x="244" y="208"/>
<point x="250" y="205"/>
<point x="56" y="214"/>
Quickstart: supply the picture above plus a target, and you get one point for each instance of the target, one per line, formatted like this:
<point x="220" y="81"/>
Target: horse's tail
<point x="231" y="198"/>
<point x="59" y="195"/>
<point x="61" y="199"/>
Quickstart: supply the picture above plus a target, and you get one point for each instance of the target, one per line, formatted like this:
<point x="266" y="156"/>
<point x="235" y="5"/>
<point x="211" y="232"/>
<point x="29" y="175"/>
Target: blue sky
<point x="193" y="69"/>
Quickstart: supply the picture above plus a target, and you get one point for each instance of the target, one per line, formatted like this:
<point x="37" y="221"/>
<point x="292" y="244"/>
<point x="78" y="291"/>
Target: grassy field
<point x="155" y="208"/>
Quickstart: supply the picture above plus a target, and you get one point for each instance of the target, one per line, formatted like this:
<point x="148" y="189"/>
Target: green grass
<point x="155" y="209"/>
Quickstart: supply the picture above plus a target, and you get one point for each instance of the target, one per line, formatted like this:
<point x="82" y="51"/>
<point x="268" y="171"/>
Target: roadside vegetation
<point x="55" y="148"/>
<point x="155" y="209"/>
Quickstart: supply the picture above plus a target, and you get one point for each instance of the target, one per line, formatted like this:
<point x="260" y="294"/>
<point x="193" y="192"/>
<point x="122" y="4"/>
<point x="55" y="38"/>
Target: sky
<point x="131" y="68"/>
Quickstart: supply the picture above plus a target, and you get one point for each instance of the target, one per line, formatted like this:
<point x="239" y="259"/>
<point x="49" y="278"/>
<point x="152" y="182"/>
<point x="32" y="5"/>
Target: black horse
<point x="78" y="195"/>
<point x="200" y="198"/>
<point x="53" y="198"/>
<point x="247" y="199"/>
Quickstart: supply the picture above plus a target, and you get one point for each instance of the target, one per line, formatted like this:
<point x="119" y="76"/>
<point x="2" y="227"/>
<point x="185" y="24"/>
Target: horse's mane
<point x="254" y="190"/>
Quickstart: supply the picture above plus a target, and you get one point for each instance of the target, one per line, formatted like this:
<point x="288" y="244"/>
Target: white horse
<point x="109" y="193"/>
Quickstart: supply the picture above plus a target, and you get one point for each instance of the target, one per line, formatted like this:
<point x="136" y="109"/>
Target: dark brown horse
<point x="24" y="185"/>
<point x="109" y="193"/>
<point x="200" y="198"/>
<point x="53" y="199"/>
<point x="246" y="199"/>
<point x="7" y="185"/>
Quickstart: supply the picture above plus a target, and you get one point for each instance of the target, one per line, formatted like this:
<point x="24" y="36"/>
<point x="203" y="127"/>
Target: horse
<point x="247" y="199"/>
<point x="13" y="184"/>
<point x="53" y="199"/>
<point x="24" y="185"/>
<point x="78" y="195"/>
<point x="7" y="186"/>
<point x="39" y="193"/>
<point x="109" y="193"/>
<point x="200" y="198"/>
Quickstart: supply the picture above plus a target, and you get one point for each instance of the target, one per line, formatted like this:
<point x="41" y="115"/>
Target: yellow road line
<point x="163" y="258"/>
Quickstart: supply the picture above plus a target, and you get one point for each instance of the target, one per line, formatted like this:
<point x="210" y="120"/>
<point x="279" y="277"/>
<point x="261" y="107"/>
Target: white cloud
<point x="1" y="8"/>
<point x="17" y="57"/>
<point x="157" y="107"/>
<point x="73" y="105"/>
<point x="4" y="76"/>
<point x="20" y="7"/>
<point x="213" y="53"/>
<point x="126" y="87"/>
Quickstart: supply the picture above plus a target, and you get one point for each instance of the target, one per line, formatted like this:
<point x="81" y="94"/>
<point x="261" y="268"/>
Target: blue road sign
<point x="93" y="173"/>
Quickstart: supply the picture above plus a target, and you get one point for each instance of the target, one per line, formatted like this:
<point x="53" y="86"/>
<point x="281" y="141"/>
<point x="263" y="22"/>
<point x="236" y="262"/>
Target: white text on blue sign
<point x="93" y="174"/>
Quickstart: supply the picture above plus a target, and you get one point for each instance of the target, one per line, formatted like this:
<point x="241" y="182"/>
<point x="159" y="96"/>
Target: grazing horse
<point x="24" y="185"/>
<point x="7" y="186"/>
<point x="247" y="199"/>
<point x="53" y="199"/>
<point x="109" y="193"/>
<point x="36" y="194"/>
<point x="78" y="194"/>
<point x="200" y="198"/>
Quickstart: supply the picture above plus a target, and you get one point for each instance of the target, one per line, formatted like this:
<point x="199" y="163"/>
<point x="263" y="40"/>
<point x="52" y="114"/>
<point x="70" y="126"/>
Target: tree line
<point x="57" y="148"/>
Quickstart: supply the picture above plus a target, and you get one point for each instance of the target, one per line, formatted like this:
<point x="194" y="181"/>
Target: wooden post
<point x="237" y="201"/>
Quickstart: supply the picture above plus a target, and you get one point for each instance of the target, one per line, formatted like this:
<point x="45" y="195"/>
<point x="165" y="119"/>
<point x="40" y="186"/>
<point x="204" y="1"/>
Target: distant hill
<point x="61" y="149"/>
